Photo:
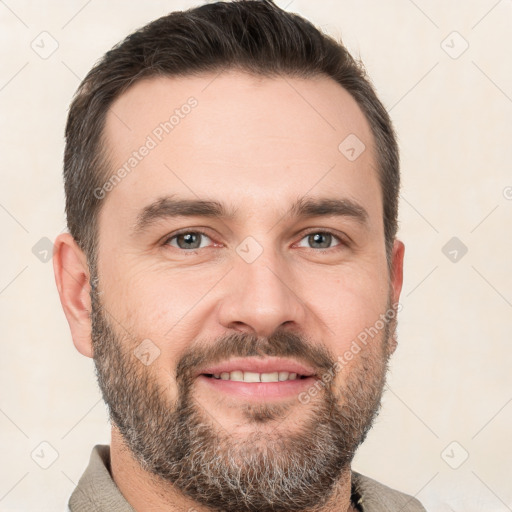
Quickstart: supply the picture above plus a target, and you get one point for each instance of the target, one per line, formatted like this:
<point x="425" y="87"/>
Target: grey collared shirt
<point x="97" y="492"/>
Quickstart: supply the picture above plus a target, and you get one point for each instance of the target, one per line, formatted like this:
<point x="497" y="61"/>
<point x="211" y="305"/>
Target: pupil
<point x="317" y="239"/>
<point x="190" y="238"/>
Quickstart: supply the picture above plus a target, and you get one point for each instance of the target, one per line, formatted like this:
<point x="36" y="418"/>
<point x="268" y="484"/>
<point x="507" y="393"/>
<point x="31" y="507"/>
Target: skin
<point x="256" y="144"/>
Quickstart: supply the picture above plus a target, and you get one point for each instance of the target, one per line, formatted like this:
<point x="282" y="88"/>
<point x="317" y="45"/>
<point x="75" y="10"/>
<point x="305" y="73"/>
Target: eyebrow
<point x="304" y="207"/>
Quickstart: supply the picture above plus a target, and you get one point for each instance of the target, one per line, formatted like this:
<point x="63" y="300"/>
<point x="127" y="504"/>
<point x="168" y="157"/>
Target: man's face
<point x="267" y="288"/>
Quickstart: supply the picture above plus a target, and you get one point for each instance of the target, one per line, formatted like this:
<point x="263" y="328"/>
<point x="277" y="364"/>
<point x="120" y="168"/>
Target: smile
<point x="241" y="376"/>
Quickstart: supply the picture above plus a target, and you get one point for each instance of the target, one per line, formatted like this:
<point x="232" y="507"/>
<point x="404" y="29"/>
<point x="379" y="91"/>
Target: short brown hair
<point x="254" y="36"/>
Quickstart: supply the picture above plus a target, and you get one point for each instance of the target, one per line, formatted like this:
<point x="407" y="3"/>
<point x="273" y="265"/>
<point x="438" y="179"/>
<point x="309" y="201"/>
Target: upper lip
<point x="258" y="365"/>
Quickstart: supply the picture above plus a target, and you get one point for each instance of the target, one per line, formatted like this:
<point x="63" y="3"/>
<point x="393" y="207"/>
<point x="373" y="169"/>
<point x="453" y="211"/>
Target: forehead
<point x="261" y="141"/>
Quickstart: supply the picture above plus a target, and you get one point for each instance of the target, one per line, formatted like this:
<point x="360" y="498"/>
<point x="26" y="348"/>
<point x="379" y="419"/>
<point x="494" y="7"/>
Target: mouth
<point x="257" y="379"/>
<point x="241" y="376"/>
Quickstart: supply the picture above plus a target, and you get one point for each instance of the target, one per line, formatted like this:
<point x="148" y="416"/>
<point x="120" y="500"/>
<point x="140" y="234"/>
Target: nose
<point x="261" y="297"/>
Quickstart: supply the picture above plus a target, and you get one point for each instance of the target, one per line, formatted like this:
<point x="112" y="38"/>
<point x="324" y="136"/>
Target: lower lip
<point x="259" y="390"/>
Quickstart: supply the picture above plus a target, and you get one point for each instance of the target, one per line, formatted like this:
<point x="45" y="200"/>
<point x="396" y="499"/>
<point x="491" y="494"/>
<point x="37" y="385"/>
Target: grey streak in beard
<point x="184" y="447"/>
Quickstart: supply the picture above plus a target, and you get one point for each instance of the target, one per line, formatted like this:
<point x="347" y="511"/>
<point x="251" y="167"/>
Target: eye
<point x="321" y="240"/>
<point x="191" y="241"/>
<point x="188" y="240"/>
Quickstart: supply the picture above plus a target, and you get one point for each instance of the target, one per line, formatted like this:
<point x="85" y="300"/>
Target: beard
<point x="277" y="466"/>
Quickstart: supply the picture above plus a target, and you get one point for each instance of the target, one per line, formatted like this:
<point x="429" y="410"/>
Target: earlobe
<point x="72" y="278"/>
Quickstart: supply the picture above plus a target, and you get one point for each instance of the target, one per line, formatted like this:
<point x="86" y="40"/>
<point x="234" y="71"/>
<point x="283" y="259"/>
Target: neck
<point x="144" y="492"/>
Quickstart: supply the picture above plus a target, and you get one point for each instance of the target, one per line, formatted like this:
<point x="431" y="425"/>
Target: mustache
<point x="279" y="344"/>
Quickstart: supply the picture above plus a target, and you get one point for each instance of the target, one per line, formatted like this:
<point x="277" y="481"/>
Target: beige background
<point x="450" y="378"/>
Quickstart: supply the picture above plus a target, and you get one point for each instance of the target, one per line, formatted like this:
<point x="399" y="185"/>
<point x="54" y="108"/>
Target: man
<point x="232" y="265"/>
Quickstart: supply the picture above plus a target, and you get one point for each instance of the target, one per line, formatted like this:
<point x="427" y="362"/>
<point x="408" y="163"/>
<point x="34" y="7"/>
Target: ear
<point x="72" y="278"/>
<point x="396" y="281"/>
<point x="397" y="270"/>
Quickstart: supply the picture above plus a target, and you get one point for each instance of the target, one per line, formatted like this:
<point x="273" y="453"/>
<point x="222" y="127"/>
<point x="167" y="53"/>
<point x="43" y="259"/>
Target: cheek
<point x="348" y="304"/>
<point x="152" y="295"/>
<point x="164" y="308"/>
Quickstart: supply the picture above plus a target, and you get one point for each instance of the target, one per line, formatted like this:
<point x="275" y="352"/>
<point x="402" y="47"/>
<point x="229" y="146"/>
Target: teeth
<point x="236" y="375"/>
<point x="251" y="377"/>
<point x="240" y="376"/>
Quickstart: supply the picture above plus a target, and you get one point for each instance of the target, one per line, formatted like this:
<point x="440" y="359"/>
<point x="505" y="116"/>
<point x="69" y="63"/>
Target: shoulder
<point x="96" y="490"/>
<point x="377" y="497"/>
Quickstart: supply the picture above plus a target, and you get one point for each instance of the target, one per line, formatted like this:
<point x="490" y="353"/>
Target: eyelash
<point x="343" y="242"/>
